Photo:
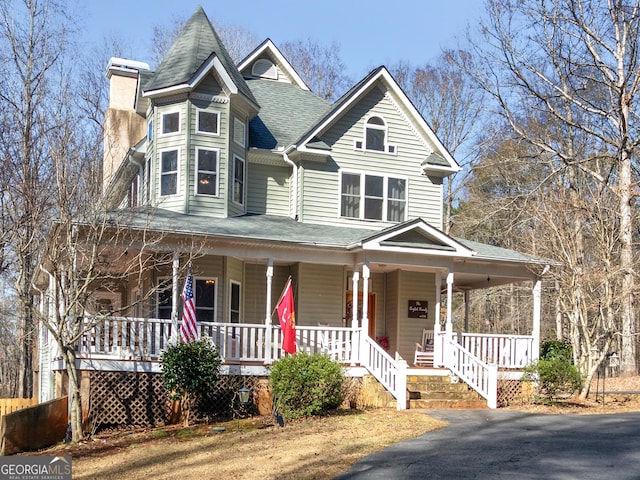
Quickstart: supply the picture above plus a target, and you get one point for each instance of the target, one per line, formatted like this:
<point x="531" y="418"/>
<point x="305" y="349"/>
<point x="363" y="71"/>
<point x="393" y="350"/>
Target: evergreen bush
<point x="554" y="371"/>
<point x="190" y="369"/>
<point x="303" y="385"/>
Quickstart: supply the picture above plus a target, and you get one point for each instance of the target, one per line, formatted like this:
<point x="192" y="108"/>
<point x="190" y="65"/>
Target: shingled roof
<point x="286" y="112"/>
<point x="195" y="44"/>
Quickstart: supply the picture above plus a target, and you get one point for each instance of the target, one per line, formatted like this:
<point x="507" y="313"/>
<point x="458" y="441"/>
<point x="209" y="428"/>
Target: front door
<point x="371" y="311"/>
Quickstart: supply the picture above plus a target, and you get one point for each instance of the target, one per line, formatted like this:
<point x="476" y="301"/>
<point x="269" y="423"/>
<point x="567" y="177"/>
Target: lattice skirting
<point x="124" y="399"/>
<point x="514" y="392"/>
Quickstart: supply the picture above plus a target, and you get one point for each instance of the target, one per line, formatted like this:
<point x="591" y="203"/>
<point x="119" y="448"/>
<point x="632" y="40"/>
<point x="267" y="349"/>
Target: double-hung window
<point x="204" y="296"/>
<point x="168" y="172"/>
<point x="239" y="131"/>
<point x="238" y="180"/>
<point x="373" y="197"/>
<point x="207" y="171"/>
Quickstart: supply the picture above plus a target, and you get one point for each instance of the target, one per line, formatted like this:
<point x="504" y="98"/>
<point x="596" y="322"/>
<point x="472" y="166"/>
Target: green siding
<point x="320" y="295"/>
<point x="321" y="181"/>
<point x="414" y="286"/>
<point x="255" y="293"/>
<point x="268" y="191"/>
<point x="205" y="204"/>
<point x="168" y="142"/>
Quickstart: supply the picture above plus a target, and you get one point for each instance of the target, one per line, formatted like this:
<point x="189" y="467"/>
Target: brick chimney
<point x="123" y="125"/>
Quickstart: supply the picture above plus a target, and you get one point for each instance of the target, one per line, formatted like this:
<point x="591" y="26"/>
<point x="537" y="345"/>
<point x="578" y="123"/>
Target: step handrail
<point x="392" y="374"/>
<point x="480" y="376"/>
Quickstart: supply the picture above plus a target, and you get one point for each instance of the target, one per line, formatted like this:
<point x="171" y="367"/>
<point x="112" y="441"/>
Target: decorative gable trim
<point x="416" y="236"/>
<point x="424" y="143"/>
<point x="207" y="97"/>
<point x="272" y="51"/>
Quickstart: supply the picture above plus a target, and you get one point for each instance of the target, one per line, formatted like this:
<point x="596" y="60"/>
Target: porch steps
<point x="437" y="391"/>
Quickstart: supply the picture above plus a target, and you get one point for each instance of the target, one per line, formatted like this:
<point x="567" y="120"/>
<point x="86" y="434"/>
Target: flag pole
<point x="281" y="295"/>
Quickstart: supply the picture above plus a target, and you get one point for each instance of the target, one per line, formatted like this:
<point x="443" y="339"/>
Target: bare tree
<point x="33" y="36"/>
<point x="576" y="61"/>
<point x="320" y="67"/>
<point x="448" y="99"/>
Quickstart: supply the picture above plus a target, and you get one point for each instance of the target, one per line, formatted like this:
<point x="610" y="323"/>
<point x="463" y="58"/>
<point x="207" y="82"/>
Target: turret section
<point x="123" y="125"/>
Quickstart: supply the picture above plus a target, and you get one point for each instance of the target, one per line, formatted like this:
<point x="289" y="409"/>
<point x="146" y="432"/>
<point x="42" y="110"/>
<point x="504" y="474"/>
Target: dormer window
<point x="264" y="68"/>
<point x="375" y="137"/>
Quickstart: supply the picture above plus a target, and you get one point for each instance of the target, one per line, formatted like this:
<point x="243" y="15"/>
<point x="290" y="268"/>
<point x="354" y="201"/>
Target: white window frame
<point x="215" y="296"/>
<point x="211" y="112"/>
<point x="170" y="112"/>
<point x="169" y="288"/>
<point x="385" y="197"/>
<point x="244" y="180"/>
<point x="161" y="172"/>
<point x="361" y="144"/>
<point x="231" y="284"/>
<point x="150" y="131"/>
<point x="161" y="280"/>
<point x="239" y="124"/>
<point x="198" y="170"/>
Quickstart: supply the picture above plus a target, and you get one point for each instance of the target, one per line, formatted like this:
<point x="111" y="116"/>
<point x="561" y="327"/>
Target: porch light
<point x="243" y="393"/>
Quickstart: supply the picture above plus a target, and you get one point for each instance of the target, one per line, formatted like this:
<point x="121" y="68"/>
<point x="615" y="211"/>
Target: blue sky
<point x="370" y="32"/>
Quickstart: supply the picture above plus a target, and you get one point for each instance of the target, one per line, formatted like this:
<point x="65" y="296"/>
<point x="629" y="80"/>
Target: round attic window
<point x="264" y="68"/>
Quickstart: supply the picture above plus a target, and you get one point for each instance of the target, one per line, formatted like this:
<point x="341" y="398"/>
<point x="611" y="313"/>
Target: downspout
<point x="140" y="164"/>
<point x="293" y="210"/>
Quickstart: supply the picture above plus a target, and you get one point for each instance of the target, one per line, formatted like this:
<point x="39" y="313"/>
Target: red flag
<point x="189" y="328"/>
<point x="287" y="319"/>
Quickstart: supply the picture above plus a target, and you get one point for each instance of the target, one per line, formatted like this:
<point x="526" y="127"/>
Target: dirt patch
<point x="318" y="448"/>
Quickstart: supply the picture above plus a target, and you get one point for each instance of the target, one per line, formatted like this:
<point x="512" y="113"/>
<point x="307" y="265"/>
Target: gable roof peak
<point x="269" y="48"/>
<point x="194" y="48"/>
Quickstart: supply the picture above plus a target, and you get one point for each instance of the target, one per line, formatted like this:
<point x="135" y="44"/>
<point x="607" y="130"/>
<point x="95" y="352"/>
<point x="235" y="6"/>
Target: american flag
<point x="189" y="328"/>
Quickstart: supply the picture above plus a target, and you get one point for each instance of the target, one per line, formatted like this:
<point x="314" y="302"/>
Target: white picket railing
<point x="146" y="338"/>
<point x="482" y="377"/>
<point x="507" y="351"/>
<point x="390" y="373"/>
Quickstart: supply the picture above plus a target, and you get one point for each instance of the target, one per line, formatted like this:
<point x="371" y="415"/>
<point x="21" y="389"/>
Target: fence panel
<point x="9" y="405"/>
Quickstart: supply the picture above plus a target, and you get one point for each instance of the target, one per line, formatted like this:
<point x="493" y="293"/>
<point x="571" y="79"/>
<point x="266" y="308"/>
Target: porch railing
<point x="390" y="373"/>
<point x="146" y="339"/>
<point x="507" y="351"/>
<point x="482" y="377"/>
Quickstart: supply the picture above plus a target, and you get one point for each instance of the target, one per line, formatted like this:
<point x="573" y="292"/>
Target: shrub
<point x="304" y="385"/>
<point x="190" y="369"/>
<point x="555" y="371"/>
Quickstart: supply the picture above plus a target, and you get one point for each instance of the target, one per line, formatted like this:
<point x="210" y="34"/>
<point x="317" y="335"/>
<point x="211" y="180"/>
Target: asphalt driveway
<point x="501" y="444"/>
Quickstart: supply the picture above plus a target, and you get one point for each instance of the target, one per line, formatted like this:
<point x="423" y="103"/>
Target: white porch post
<point x="437" y="346"/>
<point x="466" y="311"/>
<point x="267" y="318"/>
<point x="537" y="304"/>
<point x="354" y="300"/>
<point x="449" y="323"/>
<point x="175" y="330"/>
<point x="365" y="314"/>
